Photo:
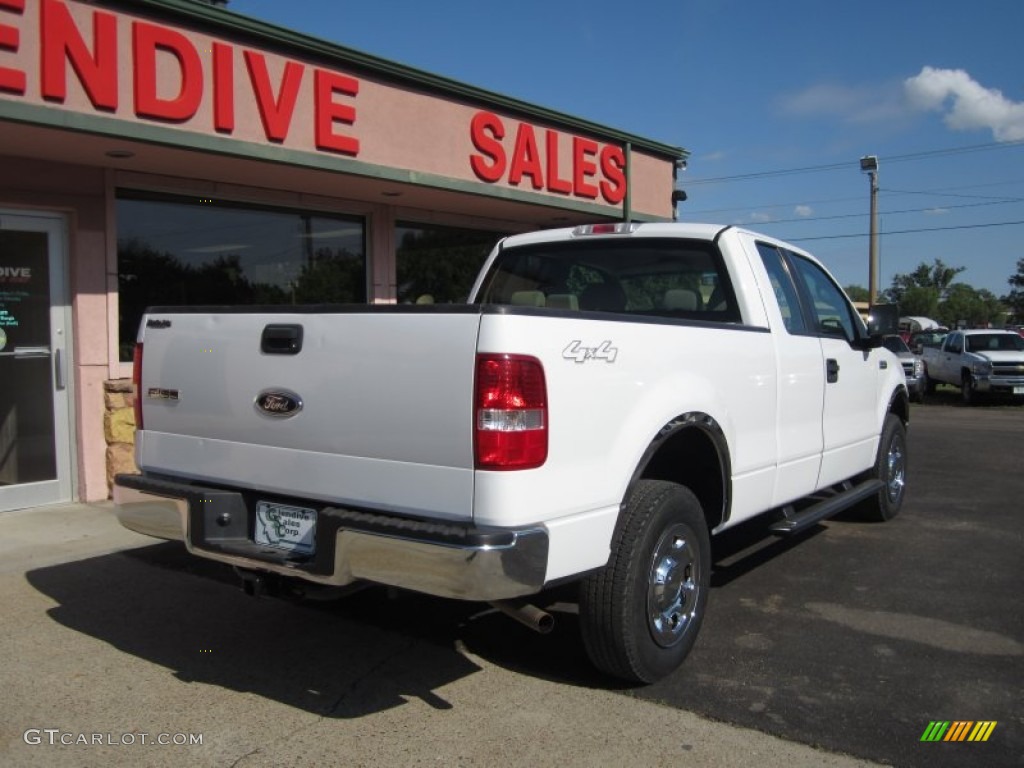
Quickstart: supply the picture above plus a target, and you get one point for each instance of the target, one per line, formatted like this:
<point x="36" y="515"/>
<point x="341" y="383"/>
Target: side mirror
<point x="871" y="341"/>
<point x="874" y="338"/>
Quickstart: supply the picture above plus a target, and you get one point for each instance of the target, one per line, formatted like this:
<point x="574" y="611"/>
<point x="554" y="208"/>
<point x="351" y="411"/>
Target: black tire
<point x="891" y="468"/>
<point x="641" y="613"/>
<point x="929" y="384"/>
<point x="967" y="393"/>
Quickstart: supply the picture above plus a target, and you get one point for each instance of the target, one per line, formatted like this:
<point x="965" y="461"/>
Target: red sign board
<point x="80" y="57"/>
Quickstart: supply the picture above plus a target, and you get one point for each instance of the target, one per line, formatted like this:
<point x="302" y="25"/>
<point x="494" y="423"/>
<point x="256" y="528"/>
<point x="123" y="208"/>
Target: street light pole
<point x="869" y="164"/>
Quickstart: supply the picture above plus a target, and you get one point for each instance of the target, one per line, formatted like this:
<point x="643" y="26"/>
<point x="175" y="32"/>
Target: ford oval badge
<point x="279" y="403"/>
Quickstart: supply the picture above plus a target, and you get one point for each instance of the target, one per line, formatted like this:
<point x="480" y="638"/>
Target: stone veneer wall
<point x="119" y="427"/>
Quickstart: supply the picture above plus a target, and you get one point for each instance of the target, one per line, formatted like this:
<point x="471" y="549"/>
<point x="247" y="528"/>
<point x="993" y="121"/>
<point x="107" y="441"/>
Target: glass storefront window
<point x="195" y="251"/>
<point x="437" y="265"/>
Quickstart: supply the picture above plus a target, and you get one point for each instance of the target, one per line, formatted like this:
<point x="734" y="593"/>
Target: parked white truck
<point x="610" y="396"/>
<point x="978" y="361"/>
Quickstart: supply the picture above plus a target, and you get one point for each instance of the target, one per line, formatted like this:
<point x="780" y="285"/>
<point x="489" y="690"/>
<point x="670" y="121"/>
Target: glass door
<point x="35" y="427"/>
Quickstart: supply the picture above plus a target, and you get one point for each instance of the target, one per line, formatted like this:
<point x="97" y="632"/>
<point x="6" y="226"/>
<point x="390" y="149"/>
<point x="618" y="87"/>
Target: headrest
<point x="528" y="298"/>
<point x="680" y="298"/>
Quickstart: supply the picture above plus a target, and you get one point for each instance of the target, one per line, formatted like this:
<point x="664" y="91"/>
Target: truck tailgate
<point x="385" y="419"/>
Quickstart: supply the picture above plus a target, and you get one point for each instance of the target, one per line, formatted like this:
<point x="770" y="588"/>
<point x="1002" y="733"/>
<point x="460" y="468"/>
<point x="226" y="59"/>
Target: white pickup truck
<point x="610" y="396"/>
<point x="978" y="361"/>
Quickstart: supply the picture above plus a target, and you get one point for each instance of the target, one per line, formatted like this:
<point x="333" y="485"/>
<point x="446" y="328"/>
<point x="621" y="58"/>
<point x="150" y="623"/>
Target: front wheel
<point x="891" y="469"/>
<point x="967" y="389"/>
<point x="641" y="613"/>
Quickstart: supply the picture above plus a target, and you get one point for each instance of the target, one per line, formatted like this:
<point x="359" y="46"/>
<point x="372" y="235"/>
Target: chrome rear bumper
<point x="441" y="559"/>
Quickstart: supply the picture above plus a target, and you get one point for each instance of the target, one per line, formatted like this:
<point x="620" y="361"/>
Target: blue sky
<point x="933" y="88"/>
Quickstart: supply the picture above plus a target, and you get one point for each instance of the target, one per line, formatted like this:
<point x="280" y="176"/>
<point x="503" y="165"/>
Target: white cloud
<point x="760" y="218"/>
<point x="803" y="211"/>
<point x="966" y="104"/>
<point x="936" y="212"/>
<point x="851" y="104"/>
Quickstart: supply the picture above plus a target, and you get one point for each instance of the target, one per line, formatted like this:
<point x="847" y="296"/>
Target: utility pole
<point x="869" y="165"/>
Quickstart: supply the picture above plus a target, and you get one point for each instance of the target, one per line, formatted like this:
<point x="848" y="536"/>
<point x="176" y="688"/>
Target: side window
<point x="956" y="344"/>
<point x="782" y="284"/>
<point x="831" y="310"/>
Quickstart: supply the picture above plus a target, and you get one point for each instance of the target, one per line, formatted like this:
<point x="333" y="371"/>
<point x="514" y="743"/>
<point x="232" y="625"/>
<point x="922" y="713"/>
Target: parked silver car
<point x="913" y="368"/>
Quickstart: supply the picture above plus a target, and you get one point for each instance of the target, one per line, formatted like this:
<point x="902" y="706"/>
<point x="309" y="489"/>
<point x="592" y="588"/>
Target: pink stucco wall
<point x="395" y="127"/>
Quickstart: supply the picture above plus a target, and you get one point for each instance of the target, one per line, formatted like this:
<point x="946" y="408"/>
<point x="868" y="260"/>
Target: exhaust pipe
<point x="526" y="614"/>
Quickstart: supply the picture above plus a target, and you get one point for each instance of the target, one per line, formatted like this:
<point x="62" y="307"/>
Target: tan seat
<point x="527" y="299"/>
<point x="681" y="299"/>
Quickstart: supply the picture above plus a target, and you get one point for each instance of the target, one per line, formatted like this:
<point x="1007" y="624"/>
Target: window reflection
<point x="439" y="264"/>
<point x="195" y="251"/>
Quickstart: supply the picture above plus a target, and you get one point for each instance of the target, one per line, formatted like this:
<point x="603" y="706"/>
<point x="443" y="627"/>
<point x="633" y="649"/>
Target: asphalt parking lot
<point x="859" y="635"/>
<point x="835" y="648"/>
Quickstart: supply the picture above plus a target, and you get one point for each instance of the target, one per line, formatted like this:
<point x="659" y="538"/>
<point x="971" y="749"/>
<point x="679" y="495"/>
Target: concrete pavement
<point x="112" y="643"/>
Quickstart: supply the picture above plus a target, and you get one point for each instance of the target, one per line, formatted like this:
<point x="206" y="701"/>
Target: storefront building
<point x="172" y="152"/>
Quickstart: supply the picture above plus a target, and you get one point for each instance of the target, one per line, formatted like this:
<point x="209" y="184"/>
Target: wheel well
<point x="689" y="455"/>
<point x="900" y="406"/>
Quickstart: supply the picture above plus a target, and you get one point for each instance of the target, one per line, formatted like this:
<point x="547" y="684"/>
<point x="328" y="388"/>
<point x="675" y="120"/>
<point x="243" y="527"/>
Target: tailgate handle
<point x="281" y="340"/>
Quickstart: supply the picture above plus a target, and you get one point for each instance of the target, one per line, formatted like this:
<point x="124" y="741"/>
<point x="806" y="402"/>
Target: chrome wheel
<point x="891" y="470"/>
<point x="673" y="586"/>
<point x="640" y="615"/>
<point x="895" y="472"/>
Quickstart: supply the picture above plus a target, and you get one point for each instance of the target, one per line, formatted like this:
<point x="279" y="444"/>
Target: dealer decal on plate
<point x="286" y="527"/>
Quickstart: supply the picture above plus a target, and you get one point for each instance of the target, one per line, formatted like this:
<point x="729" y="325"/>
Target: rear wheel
<point x="891" y="469"/>
<point x="640" y="614"/>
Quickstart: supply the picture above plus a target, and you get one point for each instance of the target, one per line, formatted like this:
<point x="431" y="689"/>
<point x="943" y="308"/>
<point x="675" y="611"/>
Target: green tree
<point x="937" y="275"/>
<point x="1015" y="298"/>
<point x="973" y="307"/>
<point x="920" y="301"/>
<point x="857" y="293"/>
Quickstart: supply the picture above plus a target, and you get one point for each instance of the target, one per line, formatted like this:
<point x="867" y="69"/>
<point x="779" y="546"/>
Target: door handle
<point x="28" y="352"/>
<point x="831" y="371"/>
<point x="281" y="339"/>
<point x="58" y="369"/>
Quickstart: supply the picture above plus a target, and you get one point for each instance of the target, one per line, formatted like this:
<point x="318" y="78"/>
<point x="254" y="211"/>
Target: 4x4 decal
<point x="580" y="354"/>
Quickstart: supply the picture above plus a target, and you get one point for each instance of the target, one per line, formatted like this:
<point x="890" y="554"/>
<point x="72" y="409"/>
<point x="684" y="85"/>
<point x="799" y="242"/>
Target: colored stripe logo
<point x="958" y="730"/>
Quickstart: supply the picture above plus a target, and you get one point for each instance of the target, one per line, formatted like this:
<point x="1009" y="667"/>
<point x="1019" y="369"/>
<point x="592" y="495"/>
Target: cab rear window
<point x="671" y="277"/>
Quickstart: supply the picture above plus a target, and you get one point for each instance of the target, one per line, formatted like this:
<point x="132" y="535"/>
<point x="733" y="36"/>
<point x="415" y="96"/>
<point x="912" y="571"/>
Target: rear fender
<point x="691" y="450"/>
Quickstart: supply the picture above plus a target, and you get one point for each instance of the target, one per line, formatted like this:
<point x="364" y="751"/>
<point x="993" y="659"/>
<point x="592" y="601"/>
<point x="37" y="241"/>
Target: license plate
<point x="1018" y="390"/>
<point x="286" y="527"/>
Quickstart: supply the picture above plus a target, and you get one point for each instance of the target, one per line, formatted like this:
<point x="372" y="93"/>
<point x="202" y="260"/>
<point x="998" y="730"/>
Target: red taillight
<point x="510" y="412"/>
<point x="137" y="384"/>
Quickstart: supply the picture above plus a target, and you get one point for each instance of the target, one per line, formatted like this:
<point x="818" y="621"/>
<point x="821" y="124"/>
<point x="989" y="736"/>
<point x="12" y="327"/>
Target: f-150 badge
<point x="580" y="354"/>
